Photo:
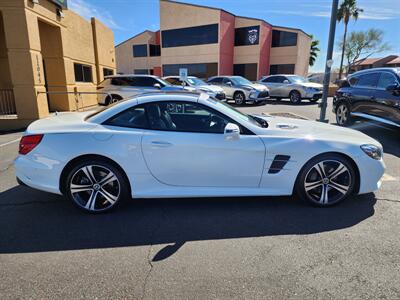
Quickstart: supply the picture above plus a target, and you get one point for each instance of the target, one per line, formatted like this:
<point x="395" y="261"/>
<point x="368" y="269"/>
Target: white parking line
<point x="387" y="177"/>
<point x="10" y="142"/>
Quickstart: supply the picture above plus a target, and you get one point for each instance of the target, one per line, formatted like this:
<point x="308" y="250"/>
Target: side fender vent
<point x="278" y="163"/>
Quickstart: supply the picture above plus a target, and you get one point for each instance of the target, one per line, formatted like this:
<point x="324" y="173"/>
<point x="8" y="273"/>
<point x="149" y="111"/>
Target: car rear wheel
<point x="343" y="117"/>
<point x="96" y="186"/>
<point x="239" y="98"/>
<point x="326" y="180"/>
<point x="295" y="97"/>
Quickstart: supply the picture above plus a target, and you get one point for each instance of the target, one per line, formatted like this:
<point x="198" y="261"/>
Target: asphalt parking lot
<point x="242" y="248"/>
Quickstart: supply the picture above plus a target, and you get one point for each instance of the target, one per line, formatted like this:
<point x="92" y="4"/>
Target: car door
<point x="388" y="102"/>
<point x="188" y="148"/>
<point x="271" y="84"/>
<point x="362" y="94"/>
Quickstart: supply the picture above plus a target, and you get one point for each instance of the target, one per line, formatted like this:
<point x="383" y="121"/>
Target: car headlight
<point x="372" y="151"/>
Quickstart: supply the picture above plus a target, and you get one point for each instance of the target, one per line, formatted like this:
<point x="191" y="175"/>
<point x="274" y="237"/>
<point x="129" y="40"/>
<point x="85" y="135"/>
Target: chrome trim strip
<point x="374" y="118"/>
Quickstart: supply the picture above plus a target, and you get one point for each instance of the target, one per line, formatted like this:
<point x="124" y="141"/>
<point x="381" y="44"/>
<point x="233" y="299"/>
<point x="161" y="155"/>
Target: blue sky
<point x="129" y="17"/>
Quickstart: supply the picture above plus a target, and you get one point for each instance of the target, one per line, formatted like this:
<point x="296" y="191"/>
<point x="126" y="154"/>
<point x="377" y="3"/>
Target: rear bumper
<point x="37" y="174"/>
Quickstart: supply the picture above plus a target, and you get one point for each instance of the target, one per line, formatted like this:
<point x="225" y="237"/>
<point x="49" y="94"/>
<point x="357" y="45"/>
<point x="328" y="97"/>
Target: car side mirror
<point x="393" y="88"/>
<point x="157" y="86"/>
<point x="286" y="81"/>
<point x="229" y="83"/>
<point x="232" y="132"/>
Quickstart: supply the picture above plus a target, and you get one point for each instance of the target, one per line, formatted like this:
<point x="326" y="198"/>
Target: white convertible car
<point x="182" y="144"/>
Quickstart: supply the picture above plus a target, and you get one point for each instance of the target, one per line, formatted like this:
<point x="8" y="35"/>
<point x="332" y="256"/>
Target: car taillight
<point x="28" y="142"/>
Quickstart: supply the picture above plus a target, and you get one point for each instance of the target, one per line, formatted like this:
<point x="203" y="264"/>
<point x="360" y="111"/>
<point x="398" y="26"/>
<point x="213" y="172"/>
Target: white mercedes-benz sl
<point x="182" y="144"/>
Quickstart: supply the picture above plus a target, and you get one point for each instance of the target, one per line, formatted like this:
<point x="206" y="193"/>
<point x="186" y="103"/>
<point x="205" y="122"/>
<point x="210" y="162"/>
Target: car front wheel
<point x="295" y="97"/>
<point x="343" y="117"/>
<point x="95" y="186"/>
<point x="326" y="180"/>
<point x="239" y="98"/>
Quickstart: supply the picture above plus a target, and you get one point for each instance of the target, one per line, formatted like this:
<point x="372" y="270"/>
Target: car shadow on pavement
<point x="34" y="221"/>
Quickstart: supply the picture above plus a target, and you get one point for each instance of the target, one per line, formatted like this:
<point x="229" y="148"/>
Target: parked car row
<point x="228" y="88"/>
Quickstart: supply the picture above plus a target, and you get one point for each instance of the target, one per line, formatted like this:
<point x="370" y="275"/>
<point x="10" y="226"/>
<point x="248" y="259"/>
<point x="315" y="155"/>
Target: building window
<point x="283" y="38"/>
<point x="139" y="50"/>
<point x="200" y="35"/>
<point x="83" y="73"/>
<point x="247" y="36"/>
<point x="141" y="71"/>
<point x="155" y="50"/>
<point x="198" y="70"/>
<point x="248" y="71"/>
<point x="108" y="72"/>
<point x="281" y="69"/>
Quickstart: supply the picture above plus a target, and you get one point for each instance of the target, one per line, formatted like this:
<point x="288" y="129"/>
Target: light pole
<point x="328" y="64"/>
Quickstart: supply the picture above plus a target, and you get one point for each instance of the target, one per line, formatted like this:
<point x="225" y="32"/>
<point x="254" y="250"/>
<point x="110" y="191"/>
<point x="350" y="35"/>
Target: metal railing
<point x="79" y="105"/>
<point x="7" y="103"/>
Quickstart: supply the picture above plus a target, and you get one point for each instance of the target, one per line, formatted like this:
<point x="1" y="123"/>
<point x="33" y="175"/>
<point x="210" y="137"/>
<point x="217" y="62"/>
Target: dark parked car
<point x="372" y="94"/>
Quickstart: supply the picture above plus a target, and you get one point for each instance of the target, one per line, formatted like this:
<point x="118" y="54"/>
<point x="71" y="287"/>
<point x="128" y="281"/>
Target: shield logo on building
<point x="252" y="35"/>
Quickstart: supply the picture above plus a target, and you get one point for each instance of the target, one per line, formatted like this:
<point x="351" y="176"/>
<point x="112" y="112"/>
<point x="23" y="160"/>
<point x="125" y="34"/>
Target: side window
<point x="185" y="117"/>
<point x="353" y="81"/>
<point x="227" y="81"/>
<point x="271" y="79"/>
<point x="216" y="80"/>
<point x="368" y="80"/>
<point x="280" y="79"/>
<point x="386" y="79"/>
<point x="134" y="117"/>
<point x="120" y="81"/>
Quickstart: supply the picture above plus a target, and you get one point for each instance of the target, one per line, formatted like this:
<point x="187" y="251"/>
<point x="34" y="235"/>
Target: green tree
<point x="313" y="51"/>
<point x="348" y="10"/>
<point x="363" y="44"/>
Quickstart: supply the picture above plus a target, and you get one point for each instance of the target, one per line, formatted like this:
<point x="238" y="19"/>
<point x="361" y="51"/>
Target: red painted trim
<point x="226" y="43"/>
<point x="265" y="49"/>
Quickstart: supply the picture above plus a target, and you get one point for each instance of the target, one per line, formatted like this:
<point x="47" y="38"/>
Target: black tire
<point x="338" y="188"/>
<point x="86" y="190"/>
<point x="240" y="98"/>
<point x="343" y="116"/>
<point x="295" y="97"/>
<point x="112" y="99"/>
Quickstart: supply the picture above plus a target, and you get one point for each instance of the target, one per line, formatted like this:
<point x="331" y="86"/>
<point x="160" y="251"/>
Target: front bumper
<point x="258" y="96"/>
<point x="371" y="172"/>
<point x="314" y="95"/>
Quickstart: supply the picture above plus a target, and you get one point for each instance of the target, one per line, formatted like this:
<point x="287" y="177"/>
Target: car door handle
<point x="161" y="144"/>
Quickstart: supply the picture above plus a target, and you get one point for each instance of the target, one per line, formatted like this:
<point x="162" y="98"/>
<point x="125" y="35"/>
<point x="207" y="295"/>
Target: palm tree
<point x="348" y="10"/>
<point x="313" y="51"/>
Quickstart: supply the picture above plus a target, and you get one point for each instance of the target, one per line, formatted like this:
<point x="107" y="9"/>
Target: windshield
<point x="229" y="110"/>
<point x="240" y="80"/>
<point x="166" y="83"/>
<point x="196" y="81"/>
<point x="297" y="79"/>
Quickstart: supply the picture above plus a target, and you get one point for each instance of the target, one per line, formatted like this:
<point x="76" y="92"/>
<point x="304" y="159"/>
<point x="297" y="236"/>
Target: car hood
<point x="256" y="86"/>
<point x="314" y="130"/>
<point x="210" y="88"/>
<point x="312" y="84"/>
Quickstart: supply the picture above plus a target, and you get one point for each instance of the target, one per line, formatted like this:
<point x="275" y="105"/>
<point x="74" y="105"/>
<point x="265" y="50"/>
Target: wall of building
<point x="127" y="63"/>
<point x="35" y="34"/>
<point x="187" y="16"/>
<point x="226" y="42"/>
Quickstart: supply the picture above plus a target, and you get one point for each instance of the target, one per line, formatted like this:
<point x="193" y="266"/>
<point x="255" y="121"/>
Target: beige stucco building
<point x="46" y="47"/>
<point x="211" y="41"/>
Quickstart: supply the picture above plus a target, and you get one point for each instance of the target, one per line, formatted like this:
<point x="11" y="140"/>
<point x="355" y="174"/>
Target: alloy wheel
<point x="328" y="182"/>
<point x="295" y="97"/>
<point x="239" y="98"/>
<point x="95" y="188"/>
<point x="342" y="113"/>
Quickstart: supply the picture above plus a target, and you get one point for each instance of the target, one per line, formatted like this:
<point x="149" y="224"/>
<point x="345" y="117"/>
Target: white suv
<point x="117" y="87"/>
